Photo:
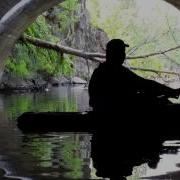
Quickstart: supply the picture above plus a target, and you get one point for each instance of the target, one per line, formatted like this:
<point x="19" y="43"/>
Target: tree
<point x="148" y="26"/>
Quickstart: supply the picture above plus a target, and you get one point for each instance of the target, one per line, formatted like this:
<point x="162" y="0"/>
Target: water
<point x="43" y="156"/>
<point x="61" y="155"/>
<point x="167" y="168"/>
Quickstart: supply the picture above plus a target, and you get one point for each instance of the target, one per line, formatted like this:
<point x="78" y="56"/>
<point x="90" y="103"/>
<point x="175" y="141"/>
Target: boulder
<point x="54" y="81"/>
<point x="77" y="80"/>
<point x="64" y="80"/>
<point x="15" y="83"/>
<point x="11" y="83"/>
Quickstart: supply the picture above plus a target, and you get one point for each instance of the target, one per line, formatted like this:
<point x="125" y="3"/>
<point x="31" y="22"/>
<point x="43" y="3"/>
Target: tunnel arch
<point x="17" y="15"/>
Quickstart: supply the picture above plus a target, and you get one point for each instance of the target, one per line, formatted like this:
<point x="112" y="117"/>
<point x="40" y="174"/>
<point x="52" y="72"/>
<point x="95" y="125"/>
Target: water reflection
<point x="68" y="156"/>
<point x="45" y="156"/>
<point x="167" y="168"/>
<point x="48" y="156"/>
<point x="58" y="155"/>
<point x="62" y="99"/>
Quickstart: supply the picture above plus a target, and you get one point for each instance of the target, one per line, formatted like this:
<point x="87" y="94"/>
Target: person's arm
<point x="153" y="88"/>
<point x="160" y="89"/>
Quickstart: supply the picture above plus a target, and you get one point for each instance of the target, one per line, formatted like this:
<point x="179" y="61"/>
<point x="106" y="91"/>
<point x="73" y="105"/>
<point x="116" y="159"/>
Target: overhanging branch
<point x="152" y="70"/>
<point x="155" y="54"/>
<point x="96" y="57"/>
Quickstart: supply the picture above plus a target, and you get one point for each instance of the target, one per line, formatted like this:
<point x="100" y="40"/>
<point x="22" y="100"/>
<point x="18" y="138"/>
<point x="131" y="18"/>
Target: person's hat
<point x="116" y="43"/>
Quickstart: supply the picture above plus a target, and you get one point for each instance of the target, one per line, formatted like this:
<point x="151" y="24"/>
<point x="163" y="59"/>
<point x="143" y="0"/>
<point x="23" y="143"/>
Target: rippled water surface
<point x="61" y="155"/>
<point x="43" y="156"/>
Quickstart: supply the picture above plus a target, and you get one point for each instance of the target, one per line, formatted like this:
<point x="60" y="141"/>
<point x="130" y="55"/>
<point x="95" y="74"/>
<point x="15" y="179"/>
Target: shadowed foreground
<point x="120" y="141"/>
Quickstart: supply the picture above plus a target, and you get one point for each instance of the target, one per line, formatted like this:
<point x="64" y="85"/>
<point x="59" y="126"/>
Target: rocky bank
<point x="81" y="36"/>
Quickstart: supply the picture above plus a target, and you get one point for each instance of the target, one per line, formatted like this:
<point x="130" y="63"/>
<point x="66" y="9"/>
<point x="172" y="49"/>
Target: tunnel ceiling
<point x="17" y="15"/>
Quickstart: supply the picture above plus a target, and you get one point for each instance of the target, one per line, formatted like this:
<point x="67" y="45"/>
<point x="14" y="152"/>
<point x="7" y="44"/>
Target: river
<point x="60" y="155"/>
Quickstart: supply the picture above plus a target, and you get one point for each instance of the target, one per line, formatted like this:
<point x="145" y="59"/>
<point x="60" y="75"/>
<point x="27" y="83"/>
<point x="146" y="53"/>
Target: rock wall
<point x="87" y="38"/>
<point x="83" y="36"/>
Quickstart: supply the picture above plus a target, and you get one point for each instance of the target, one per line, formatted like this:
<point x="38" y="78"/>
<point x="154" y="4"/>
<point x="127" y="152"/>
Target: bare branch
<point x="171" y="60"/>
<point x="152" y="70"/>
<point x="96" y="57"/>
<point x="155" y="54"/>
<point x="62" y="49"/>
<point x="170" y="30"/>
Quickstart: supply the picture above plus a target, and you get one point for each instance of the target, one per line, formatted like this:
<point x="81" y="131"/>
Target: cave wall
<point x="79" y="35"/>
<point x="87" y="38"/>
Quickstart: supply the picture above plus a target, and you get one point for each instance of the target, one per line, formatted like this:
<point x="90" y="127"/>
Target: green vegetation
<point x="146" y="25"/>
<point x="28" y="60"/>
<point x="38" y="103"/>
<point x="41" y="149"/>
<point x="67" y="17"/>
<point x="64" y="150"/>
<point x="71" y="158"/>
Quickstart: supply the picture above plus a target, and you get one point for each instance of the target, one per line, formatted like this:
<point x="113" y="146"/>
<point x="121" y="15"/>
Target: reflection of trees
<point x="70" y="155"/>
<point x="17" y="105"/>
<point x="76" y="156"/>
<point x="61" y="153"/>
<point x="41" y="149"/>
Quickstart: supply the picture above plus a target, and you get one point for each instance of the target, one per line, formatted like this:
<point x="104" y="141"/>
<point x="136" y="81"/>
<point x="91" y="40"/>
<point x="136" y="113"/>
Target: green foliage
<point x="41" y="29"/>
<point x="95" y="11"/>
<point x="42" y="151"/>
<point x="146" y="25"/>
<point x="28" y="60"/>
<point x="59" y="148"/>
<point x="71" y="159"/>
<point x="67" y="17"/>
<point x="18" y="65"/>
<point x="17" y="105"/>
<point x="66" y="65"/>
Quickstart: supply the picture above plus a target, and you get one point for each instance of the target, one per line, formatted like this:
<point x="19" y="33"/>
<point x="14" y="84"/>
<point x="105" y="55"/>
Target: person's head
<point x="115" y="51"/>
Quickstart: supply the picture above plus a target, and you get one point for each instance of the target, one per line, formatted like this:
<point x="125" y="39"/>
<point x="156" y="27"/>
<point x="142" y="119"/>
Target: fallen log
<point x="157" y="123"/>
<point x="54" y="121"/>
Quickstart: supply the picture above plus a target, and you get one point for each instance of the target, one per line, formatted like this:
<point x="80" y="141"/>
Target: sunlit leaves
<point x="27" y="60"/>
<point x="146" y="25"/>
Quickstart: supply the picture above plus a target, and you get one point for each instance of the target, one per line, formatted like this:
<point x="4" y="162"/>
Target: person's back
<point x="108" y="87"/>
<point x="113" y="87"/>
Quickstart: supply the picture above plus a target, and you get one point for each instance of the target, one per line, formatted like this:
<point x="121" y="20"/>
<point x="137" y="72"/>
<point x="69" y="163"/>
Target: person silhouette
<point x="113" y="86"/>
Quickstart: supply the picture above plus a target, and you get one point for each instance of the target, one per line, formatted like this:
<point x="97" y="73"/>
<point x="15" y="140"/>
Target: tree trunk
<point x="17" y="15"/>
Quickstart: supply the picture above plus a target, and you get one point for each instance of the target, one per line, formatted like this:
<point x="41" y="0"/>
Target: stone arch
<point x="17" y="15"/>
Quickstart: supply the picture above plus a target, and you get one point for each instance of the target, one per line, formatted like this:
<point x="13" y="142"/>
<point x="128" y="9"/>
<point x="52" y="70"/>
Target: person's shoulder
<point x="127" y="70"/>
<point x="101" y="67"/>
<point x="130" y="74"/>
